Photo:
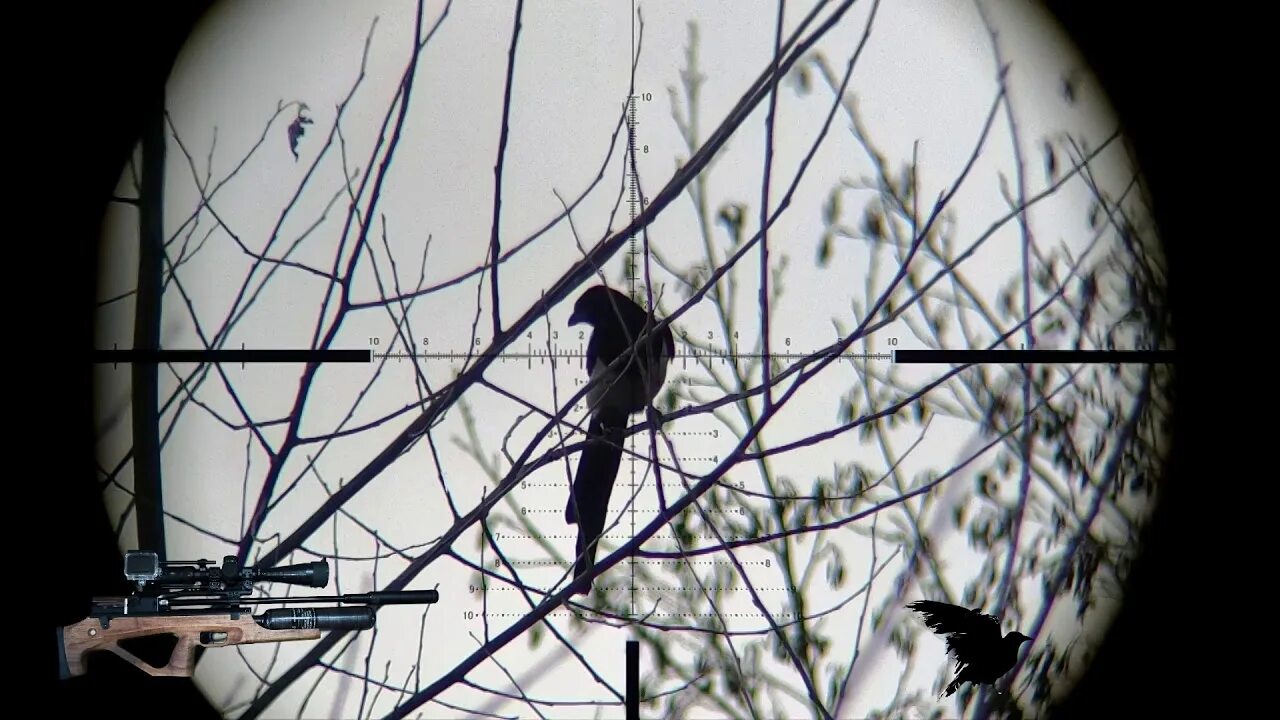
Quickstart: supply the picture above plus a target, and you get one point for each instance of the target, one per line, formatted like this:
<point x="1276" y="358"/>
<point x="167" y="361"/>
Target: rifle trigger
<point x="213" y="638"/>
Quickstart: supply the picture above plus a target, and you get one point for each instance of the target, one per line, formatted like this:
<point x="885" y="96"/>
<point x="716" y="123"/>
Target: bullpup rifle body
<point x="207" y="606"/>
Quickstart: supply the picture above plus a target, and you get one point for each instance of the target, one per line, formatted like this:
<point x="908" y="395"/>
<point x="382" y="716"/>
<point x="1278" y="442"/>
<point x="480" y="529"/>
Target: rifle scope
<point x="145" y="567"/>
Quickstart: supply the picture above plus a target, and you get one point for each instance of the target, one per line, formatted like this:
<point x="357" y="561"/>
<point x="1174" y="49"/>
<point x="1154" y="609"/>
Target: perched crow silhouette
<point x="973" y="639"/>
<point x="617" y="324"/>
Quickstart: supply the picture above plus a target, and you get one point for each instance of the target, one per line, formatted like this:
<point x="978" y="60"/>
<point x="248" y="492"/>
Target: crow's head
<point x="594" y="305"/>
<point x="1016" y="638"/>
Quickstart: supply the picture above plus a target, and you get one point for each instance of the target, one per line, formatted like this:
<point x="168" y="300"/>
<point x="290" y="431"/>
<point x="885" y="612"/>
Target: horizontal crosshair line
<point x="232" y="356"/>
<point x="567" y="354"/>
<point x="960" y="357"/>
<point x="899" y="356"/>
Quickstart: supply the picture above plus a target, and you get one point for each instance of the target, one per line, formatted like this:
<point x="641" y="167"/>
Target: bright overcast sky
<point x="924" y="84"/>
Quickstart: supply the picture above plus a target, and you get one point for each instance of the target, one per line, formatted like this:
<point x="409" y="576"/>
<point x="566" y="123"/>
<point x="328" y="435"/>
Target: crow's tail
<point x="588" y="503"/>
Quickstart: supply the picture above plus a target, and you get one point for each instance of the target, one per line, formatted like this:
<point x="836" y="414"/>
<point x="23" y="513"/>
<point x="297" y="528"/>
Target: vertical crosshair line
<point x="633" y="200"/>
<point x="633" y="680"/>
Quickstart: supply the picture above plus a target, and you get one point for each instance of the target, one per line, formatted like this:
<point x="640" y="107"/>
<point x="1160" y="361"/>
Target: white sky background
<point x="927" y="75"/>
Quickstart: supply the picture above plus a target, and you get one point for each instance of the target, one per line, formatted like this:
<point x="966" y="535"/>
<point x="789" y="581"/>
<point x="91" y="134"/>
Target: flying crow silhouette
<point x="973" y="639"/>
<point x="629" y="386"/>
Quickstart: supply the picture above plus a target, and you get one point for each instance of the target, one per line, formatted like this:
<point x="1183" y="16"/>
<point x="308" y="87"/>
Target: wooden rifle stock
<point x="89" y="635"/>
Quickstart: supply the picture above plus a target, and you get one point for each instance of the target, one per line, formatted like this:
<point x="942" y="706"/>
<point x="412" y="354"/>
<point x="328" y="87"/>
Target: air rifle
<point x="205" y="606"/>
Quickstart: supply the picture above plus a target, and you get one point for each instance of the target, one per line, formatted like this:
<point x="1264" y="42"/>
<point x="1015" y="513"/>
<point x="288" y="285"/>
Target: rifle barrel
<point x="401" y="597"/>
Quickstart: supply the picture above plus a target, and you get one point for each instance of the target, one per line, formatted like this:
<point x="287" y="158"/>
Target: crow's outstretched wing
<point x="971" y="634"/>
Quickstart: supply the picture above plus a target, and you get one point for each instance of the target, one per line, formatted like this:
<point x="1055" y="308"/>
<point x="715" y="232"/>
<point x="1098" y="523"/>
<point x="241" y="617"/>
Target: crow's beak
<point x="576" y="318"/>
